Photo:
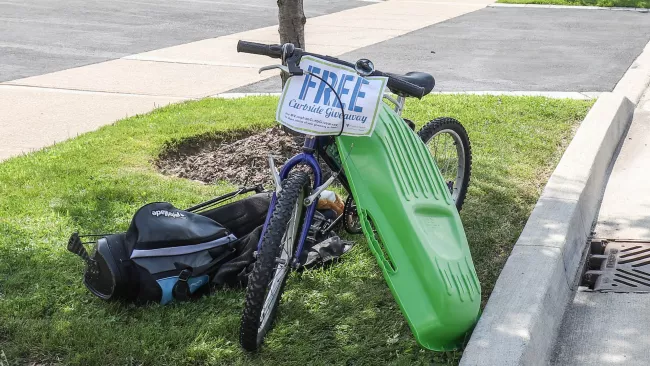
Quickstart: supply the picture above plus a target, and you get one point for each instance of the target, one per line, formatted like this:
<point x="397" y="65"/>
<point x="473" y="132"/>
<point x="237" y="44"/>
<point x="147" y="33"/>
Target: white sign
<point x="309" y="106"/>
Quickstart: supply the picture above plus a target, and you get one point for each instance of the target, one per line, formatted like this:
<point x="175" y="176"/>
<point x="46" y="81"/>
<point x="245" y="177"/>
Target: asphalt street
<point x="513" y="49"/>
<point x="41" y="36"/>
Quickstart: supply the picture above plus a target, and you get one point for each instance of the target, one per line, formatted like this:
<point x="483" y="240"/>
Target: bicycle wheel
<point x="448" y="142"/>
<point x="351" y="221"/>
<point x="270" y="272"/>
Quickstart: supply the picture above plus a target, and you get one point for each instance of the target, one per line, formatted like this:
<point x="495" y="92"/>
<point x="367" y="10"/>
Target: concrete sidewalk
<point x="43" y="36"/>
<point x="41" y="110"/>
<point x="522" y="319"/>
<point x="513" y="49"/>
<point x="611" y="328"/>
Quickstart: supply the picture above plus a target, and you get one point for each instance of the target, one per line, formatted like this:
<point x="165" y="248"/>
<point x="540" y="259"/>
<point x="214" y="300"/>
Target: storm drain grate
<point x="618" y="266"/>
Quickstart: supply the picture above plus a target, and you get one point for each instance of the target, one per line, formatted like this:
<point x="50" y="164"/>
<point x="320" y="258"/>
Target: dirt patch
<point x="238" y="158"/>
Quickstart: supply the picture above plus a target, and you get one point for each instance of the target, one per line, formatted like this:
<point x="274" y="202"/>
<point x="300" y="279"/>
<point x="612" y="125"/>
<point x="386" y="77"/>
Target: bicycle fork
<point x="307" y="158"/>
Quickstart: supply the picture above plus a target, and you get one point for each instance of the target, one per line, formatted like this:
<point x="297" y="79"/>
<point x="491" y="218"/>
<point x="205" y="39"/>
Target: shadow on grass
<point x="494" y="217"/>
<point x="341" y="315"/>
<point x="98" y="211"/>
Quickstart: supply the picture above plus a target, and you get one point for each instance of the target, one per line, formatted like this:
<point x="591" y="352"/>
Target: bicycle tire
<point x="350" y="223"/>
<point x="436" y="126"/>
<point x="252" y="333"/>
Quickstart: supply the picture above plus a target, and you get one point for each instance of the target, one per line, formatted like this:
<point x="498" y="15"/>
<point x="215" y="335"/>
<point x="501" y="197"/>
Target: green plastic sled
<point x="425" y="257"/>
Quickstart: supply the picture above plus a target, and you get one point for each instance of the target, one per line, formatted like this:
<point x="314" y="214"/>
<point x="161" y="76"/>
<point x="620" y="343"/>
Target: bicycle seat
<point x="421" y="79"/>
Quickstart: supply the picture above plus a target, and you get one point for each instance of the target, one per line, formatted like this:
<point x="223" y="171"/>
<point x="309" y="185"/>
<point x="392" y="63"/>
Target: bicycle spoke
<point x="283" y="265"/>
<point x="448" y="159"/>
<point x="448" y="153"/>
<point x="435" y="146"/>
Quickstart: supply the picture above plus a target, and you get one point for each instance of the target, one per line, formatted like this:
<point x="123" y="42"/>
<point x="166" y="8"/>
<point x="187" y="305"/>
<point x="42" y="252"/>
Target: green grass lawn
<point x="605" y="3"/>
<point x="341" y="315"/>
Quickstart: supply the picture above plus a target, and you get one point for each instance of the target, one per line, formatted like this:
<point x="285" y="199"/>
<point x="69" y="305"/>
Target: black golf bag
<point x="169" y="253"/>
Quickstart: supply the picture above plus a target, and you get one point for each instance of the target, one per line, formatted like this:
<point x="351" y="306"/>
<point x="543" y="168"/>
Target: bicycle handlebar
<point x="275" y="51"/>
<point x="271" y="50"/>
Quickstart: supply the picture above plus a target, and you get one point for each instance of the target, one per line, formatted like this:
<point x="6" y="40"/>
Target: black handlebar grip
<point x="395" y="83"/>
<point x="271" y="50"/>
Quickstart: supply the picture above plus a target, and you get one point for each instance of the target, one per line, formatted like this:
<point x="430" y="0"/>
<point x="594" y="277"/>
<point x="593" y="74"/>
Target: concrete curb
<point x="521" y="320"/>
<point x="637" y="78"/>
<point x="243" y="95"/>
<point x="566" y="7"/>
<point x="547" y="94"/>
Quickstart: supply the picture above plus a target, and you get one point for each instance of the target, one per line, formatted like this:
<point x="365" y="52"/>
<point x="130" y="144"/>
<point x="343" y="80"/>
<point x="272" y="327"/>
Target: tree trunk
<point x="291" y="17"/>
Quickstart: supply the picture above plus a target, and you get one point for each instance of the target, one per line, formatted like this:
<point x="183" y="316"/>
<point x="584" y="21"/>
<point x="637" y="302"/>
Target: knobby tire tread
<point x="447" y="123"/>
<point x="263" y="268"/>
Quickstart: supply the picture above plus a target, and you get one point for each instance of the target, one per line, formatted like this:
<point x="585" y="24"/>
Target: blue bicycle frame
<point x="306" y="157"/>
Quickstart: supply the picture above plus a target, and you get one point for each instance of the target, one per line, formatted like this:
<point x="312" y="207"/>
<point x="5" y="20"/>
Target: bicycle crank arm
<point x="331" y="226"/>
<point x="316" y="192"/>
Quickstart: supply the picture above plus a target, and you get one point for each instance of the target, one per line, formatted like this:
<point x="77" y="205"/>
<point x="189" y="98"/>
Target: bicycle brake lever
<point x="271" y="67"/>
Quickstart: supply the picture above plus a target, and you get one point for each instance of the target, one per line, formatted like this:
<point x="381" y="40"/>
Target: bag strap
<point x="181" y="290"/>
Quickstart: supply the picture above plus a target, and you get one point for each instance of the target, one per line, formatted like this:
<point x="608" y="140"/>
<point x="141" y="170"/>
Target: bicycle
<point x="293" y="203"/>
<point x="455" y="168"/>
